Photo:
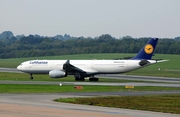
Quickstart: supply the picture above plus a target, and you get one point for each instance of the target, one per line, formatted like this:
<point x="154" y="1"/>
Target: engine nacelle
<point x="57" y="74"/>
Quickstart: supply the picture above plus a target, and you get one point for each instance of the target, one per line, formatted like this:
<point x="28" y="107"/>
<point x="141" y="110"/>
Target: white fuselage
<point x="90" y="66"/>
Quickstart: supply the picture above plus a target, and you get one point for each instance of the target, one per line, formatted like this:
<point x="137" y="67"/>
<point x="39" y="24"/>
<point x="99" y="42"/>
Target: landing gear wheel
<point x="79" y="79"/>
<point x="31" y="77"/>
<point x="93" y="79"/>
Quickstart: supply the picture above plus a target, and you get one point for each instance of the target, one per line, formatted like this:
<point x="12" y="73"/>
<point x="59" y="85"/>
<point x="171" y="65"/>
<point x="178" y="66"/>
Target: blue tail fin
<point x="147" y="51"/>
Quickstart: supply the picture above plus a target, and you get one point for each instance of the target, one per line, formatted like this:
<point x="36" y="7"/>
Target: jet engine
<point x="57" y="74"/>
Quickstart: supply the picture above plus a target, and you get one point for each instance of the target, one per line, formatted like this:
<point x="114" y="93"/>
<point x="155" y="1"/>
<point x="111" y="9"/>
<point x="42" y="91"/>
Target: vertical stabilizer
<point x="147" y="51"/>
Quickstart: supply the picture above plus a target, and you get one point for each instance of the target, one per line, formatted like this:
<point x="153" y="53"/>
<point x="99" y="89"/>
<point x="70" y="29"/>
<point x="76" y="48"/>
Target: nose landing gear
<point x="31" y="77"/>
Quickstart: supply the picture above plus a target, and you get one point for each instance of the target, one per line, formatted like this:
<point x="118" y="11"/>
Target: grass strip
<point x="34" y="88"/>
<point x="157" y="103"/>
<point x="40" y="88"/>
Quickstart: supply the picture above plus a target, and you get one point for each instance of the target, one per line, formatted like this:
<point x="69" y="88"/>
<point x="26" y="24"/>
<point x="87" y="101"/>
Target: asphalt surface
<point x="44" y="101"/>
<point x="142" y="78"/>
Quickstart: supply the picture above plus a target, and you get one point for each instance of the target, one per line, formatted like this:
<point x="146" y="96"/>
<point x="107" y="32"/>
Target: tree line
<point x="32" y="46"/>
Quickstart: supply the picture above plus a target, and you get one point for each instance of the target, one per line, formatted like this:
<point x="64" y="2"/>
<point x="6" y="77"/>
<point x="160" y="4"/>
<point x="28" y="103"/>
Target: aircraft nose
<point x="19" y="67"/>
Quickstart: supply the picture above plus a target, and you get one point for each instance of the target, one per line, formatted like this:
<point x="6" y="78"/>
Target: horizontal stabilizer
<point x="162" y="61"/>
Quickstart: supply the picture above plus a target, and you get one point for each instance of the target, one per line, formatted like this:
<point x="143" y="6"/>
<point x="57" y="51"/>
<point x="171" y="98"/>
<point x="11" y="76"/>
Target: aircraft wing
<point x="71" y="68"/>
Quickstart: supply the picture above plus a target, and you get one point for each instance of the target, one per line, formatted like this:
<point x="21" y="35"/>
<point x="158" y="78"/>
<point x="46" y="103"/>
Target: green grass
<point x="28" y="88"/>
<point x="158" y="103"/>
<point x="33" y="88"/>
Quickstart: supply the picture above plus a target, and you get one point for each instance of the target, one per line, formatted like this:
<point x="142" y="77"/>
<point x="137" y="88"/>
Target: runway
<point x="141" y="78"/>
<point x="41" y="105"/>
<point x="118" y="76"/>
<point x="157" y="81"/>
<point x="13" y="70"/>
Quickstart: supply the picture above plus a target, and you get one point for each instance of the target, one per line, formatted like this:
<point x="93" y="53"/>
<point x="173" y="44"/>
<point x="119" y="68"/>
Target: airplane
<point x="88" y="68"/>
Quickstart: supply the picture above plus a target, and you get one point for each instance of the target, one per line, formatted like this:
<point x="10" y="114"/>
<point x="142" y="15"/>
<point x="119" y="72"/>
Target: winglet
<point x="147" y="51"/>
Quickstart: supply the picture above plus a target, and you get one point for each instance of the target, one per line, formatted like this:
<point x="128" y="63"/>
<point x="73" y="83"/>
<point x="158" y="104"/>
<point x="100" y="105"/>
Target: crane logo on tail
<point x="148" y="49"/>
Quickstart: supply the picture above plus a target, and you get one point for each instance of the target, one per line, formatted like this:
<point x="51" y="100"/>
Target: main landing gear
<point x="83" y="79"/>
<point x="92" y="78"/>
<point x="31" y="77"/>
<point x="80" y="77"/>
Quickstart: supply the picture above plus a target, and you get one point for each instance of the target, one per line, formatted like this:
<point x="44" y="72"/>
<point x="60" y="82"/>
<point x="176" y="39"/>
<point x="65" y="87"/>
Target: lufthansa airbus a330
<point x="88" y="68"/>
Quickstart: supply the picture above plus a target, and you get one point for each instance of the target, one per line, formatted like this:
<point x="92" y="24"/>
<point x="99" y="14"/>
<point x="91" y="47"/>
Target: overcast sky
<point x="136" y="18"/>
